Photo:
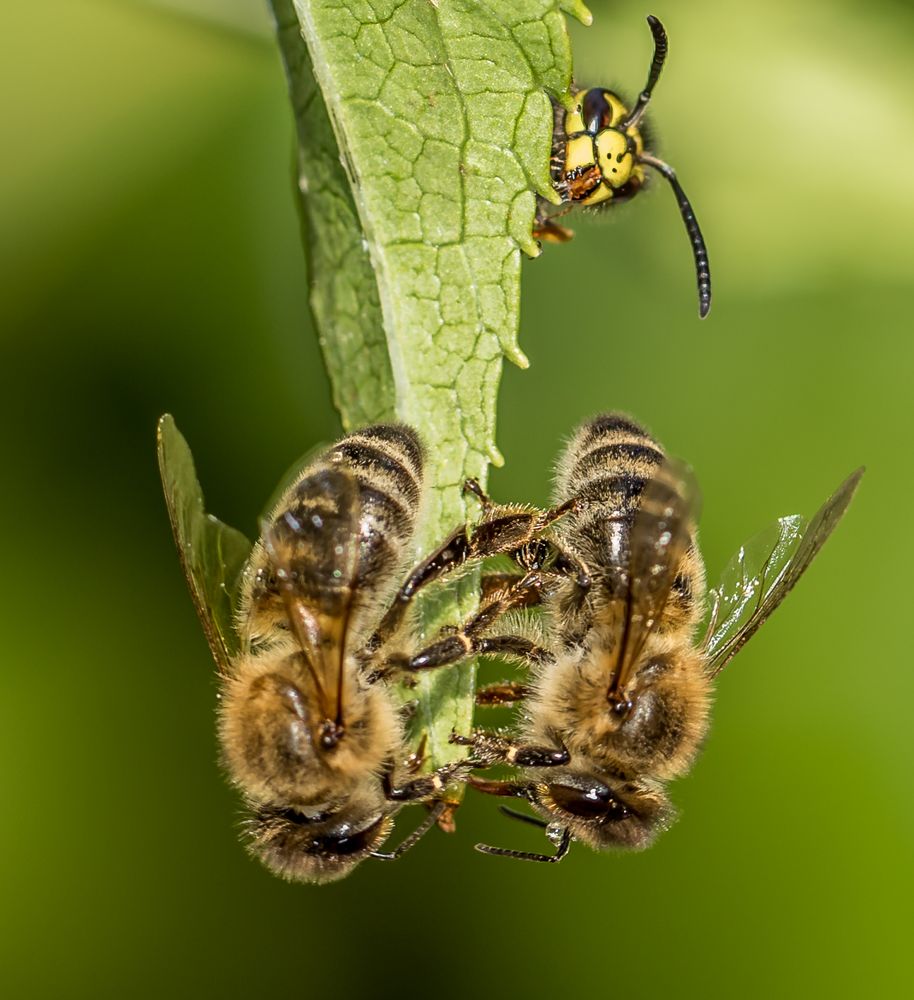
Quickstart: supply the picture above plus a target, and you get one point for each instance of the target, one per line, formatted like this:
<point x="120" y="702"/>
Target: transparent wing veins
<point x="764" y="571"/>
<point x="211" y="553"/>
<point x="660" y="536"/>
<point x="315" y="558"/>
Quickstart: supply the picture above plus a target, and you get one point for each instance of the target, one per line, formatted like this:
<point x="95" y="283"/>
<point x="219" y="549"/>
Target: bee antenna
<point x="549" y="859"/>
<point x="435" y="813"/>
<point x="523" y="817"/>
<point x="661" y="47"/>
<point x="699" y="250"/>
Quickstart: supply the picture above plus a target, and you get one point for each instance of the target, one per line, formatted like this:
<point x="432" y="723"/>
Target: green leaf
<point x="212" y="554"/>
<point x="343" y="290"/>
<point x="443" y="122"/>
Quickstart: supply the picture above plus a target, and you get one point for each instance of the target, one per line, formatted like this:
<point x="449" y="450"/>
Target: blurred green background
<point x="150" y="261"/>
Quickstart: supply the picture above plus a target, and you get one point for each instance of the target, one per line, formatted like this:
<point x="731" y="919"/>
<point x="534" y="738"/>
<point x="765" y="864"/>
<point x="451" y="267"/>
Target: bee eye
<point x="316" y="848"/>
<point x="595" y="802"/>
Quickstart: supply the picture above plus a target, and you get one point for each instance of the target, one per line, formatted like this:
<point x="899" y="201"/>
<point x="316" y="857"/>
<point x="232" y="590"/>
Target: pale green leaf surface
<point x="442" y="119"/>
<point x="212" y="554"/>
<point x="343" y="291"/>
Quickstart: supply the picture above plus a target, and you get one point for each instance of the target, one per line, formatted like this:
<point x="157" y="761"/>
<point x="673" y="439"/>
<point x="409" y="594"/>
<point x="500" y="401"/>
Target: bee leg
<point x="457" y="644"/>
<point x="435" y="814"/>
<point x="469" y="640"/>
<point x="443" y="809"/>
<point x="536" y="553"/>
<point x="546" y="556"/>
<point x="504" y="693"/>
<point x="509" y="789"/>
<point x="491" y="584"/>
<point x="499" y="513"/>
<point x="416" y="759"/>
<point x="513" y="647"/>
<point x="495" y="749"/>
<point x="485" y="501"/>
<point x="457" y="647"/>
<point x="427" y="786"/>
<point x="502" y="530"/>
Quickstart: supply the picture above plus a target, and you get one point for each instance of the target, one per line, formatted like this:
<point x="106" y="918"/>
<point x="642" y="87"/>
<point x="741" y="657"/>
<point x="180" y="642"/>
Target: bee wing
<point x="313" y="545"/>
<point x="212" y="554"/>
<point x="289" y="477"/>
<point x="763" y="572"/>
<point x="660" y="536"/>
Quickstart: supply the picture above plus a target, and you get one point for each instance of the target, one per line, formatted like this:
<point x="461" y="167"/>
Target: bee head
<point x="603" y="815"/>
<point x="319" y="848"/>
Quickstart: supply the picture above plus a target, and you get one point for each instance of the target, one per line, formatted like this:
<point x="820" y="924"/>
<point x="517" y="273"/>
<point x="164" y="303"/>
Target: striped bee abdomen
<point x="608" y="464"/>
<point x="341" y="531"/>
<point x="385" y="461"/>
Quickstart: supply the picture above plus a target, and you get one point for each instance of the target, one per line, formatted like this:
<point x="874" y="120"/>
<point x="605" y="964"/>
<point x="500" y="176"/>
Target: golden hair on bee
<point x="620" y="690"/>
<point x="310" y="728"/>
<point x="315" y="747"/>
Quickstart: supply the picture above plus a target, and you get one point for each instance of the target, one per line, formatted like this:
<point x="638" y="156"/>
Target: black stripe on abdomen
<point x="367" y="458"/>
<point x="402" y="438"/>
<point x="621" y="458"/>
<point x="614" y="491"/>
<point x="611" y="423"/>
<point x="385" y="511"/>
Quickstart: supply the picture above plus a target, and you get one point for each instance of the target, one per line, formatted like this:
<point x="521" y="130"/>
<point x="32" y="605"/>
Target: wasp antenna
<point x="661" y="47"/>
<point x="699" y="250"/>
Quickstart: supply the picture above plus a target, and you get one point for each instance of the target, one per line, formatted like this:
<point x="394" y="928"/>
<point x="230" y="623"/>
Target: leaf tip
<point x="583" y="14"/>
<point x="531" y="247"/>
<point x="517" y="357"/>
<point x="578" y="11"/>
<point x="551" y="195"/>
<point x="495" y="456"/>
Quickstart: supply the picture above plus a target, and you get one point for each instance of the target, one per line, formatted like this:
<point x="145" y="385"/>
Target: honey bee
<point x="599" y="152"/>
<point x="309" y="639"/>
<point x="621" y="688"/>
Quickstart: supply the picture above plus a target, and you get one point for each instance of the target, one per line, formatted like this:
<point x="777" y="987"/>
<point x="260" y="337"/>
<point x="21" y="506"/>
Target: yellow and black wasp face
<point x="602" y="152"/>
<point x="599" y="157"/>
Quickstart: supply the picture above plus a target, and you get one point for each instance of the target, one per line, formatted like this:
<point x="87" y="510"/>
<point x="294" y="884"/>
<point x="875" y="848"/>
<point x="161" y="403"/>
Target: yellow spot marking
<point x="574" y="120"/>
<point x="602" y="193"/>
<point x="616" y="163"/>
<point x="579" y="153"/>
